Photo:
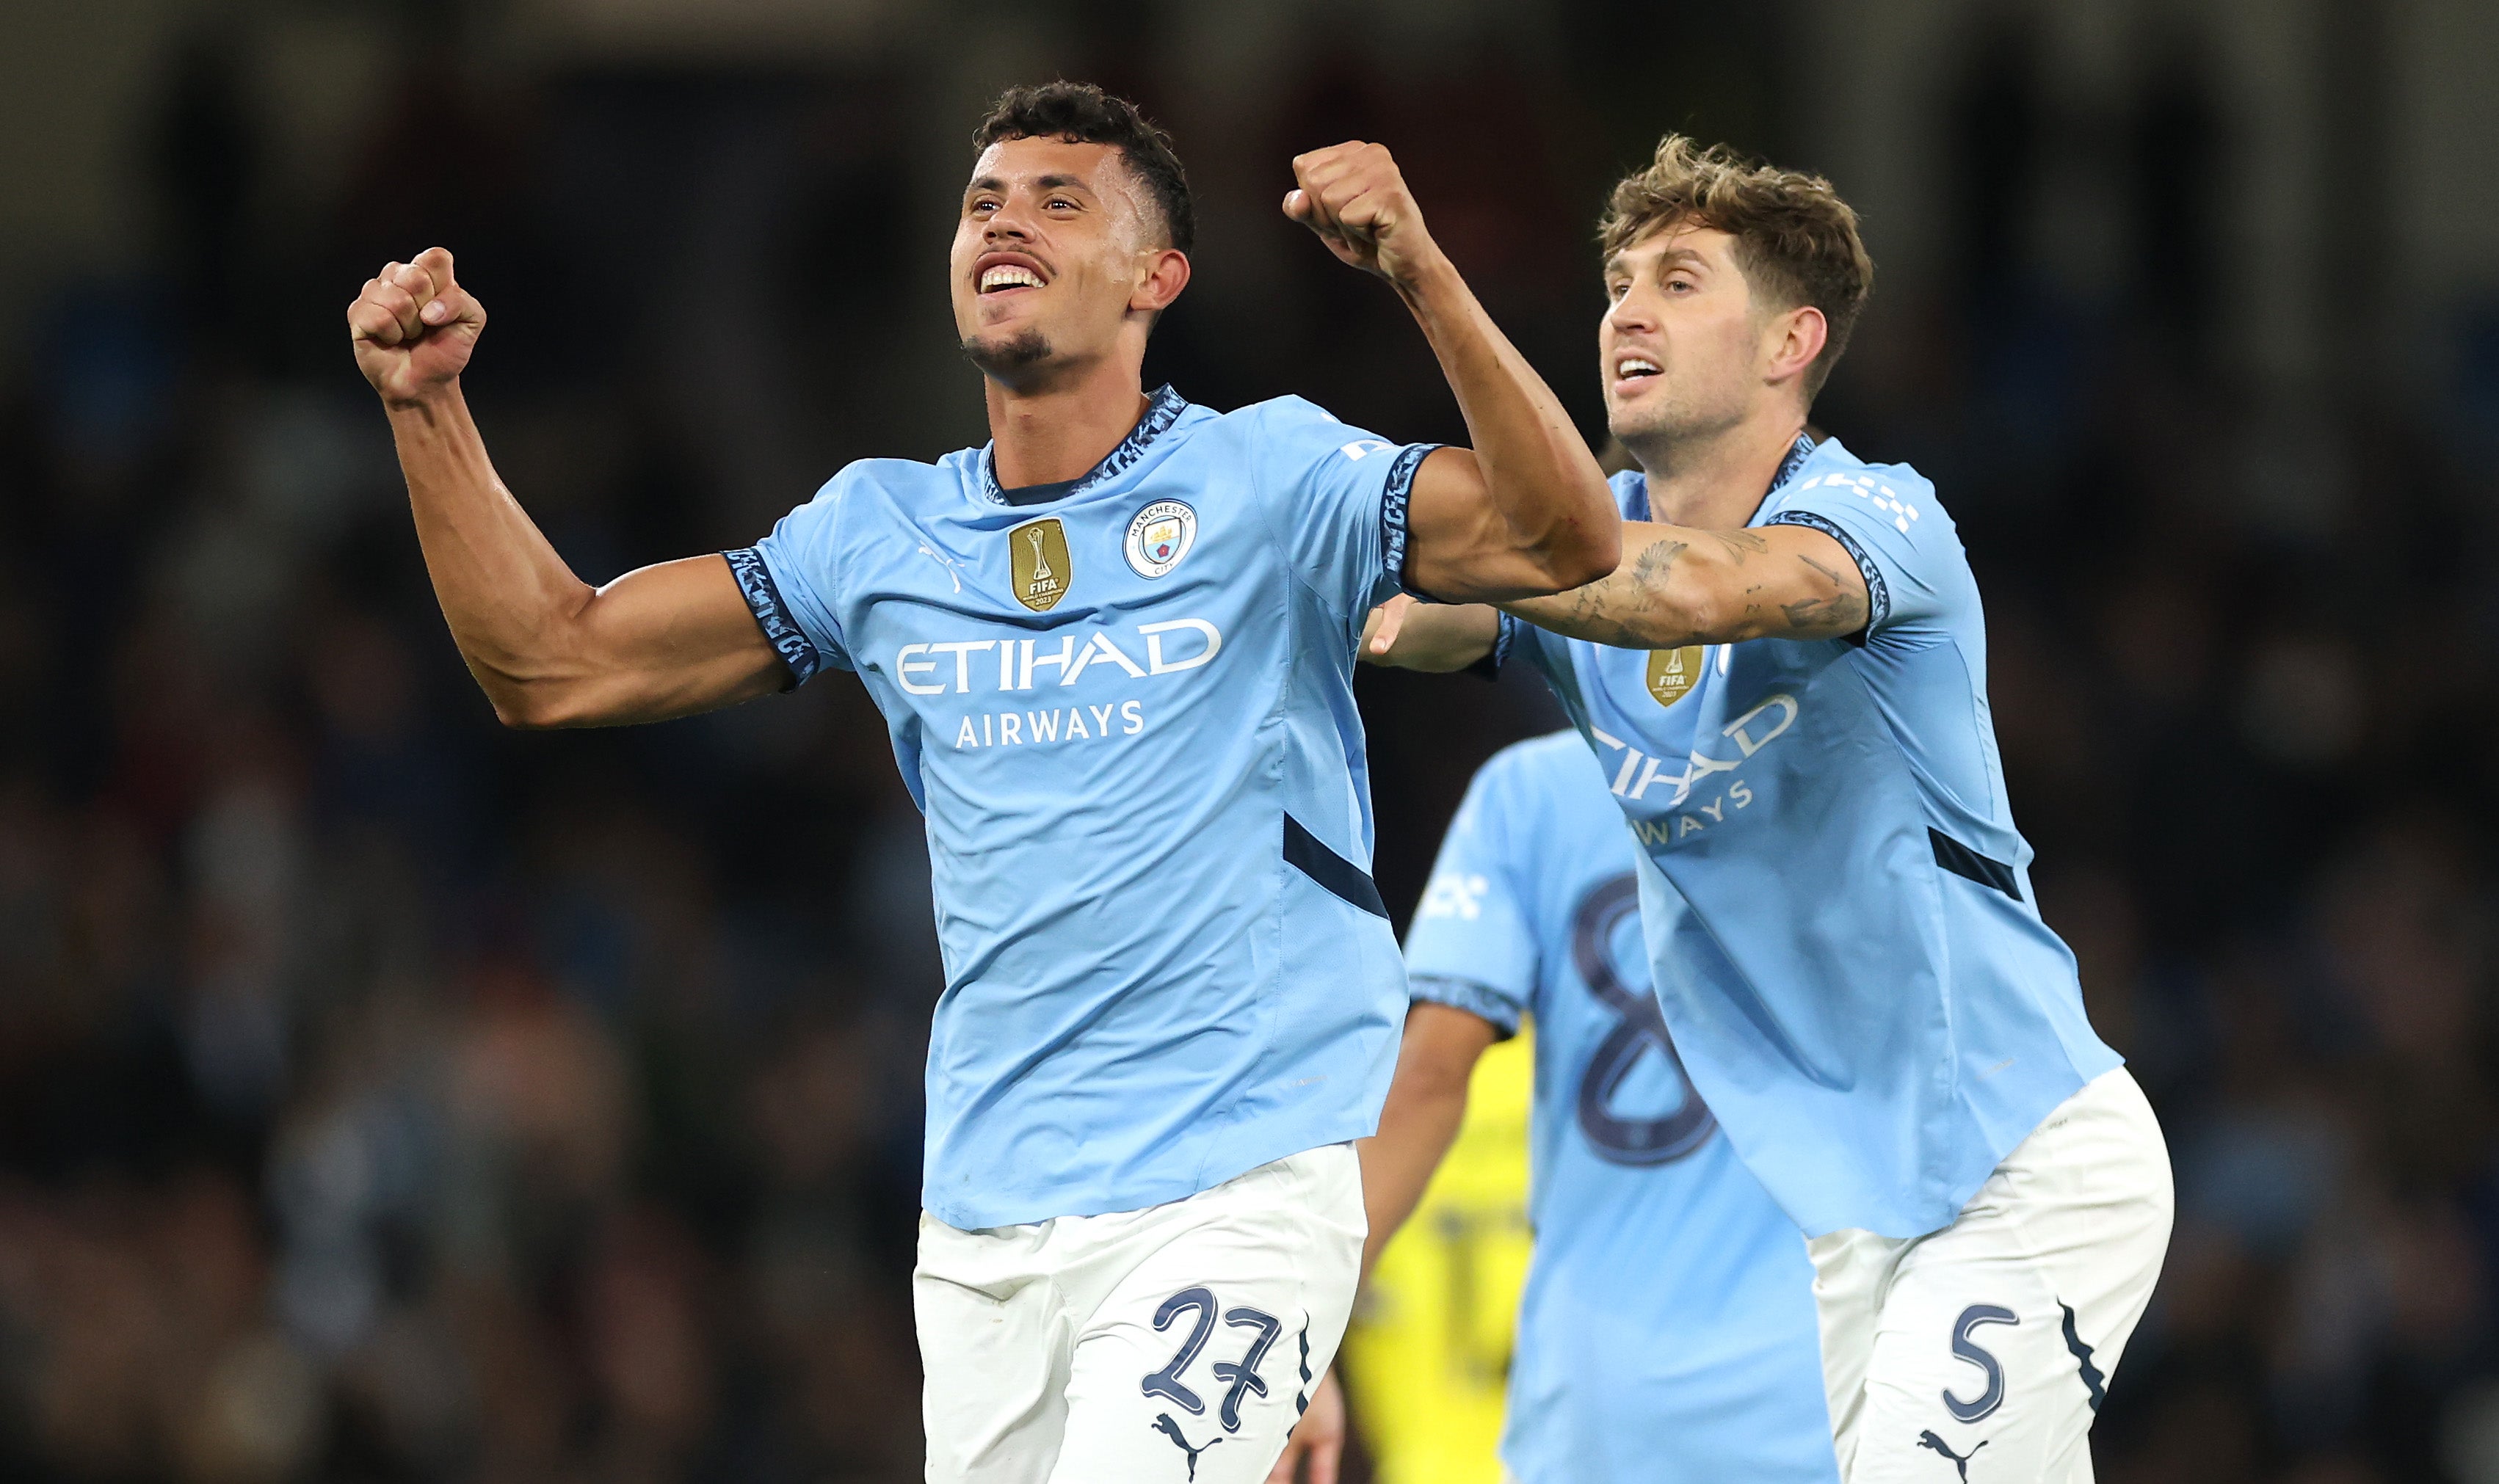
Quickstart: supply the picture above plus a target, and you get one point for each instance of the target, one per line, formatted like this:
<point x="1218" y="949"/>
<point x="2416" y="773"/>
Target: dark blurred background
<point x="384" y="1097"/>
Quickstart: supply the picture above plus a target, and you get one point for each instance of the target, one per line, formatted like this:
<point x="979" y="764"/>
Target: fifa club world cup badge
<point x="1673" y="672"/>
<point x="1159" y="536"/>
<point x="1037" y="555"/>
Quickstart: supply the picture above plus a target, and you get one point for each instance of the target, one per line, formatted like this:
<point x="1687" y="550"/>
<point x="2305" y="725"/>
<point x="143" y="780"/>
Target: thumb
<point x="448" y="302"/>
<point x="1297" y="204"/>
<point x="1390" y="618"/>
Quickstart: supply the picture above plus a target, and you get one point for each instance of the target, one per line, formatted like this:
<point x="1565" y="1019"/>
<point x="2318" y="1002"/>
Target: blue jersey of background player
<point x="1786" y="682"/>
<point x="1114" y="651"/>
<point x="1667" y="1333"/>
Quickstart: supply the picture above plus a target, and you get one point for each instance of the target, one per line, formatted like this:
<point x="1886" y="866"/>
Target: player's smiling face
<point x="1681" y="344"/>
<point x="1056" y="254"/>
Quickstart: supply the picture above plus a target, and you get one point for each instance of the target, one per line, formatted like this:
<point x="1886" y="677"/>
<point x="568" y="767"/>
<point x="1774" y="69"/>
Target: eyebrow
<point x="1670" y="255"/>
<point x="1044" y="183"/>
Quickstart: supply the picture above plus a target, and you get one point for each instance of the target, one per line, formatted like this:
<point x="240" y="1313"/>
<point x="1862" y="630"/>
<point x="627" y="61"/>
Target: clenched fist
<point x="1352" y="196"/>
<point x="413" y="327"/>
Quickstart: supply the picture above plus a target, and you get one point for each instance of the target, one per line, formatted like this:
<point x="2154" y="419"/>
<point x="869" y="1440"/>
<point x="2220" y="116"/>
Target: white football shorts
<point x="1180" y="1342"/>
<point x="1980" y="1353"/>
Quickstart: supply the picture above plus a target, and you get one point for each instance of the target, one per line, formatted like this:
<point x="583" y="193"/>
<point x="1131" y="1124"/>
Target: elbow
<point x="523" y="713"/>
<point x="1584" y="555"/>
<point x="1594" y="562"/>
<point x="523" y="706"/>
<point x="519" y="718"/>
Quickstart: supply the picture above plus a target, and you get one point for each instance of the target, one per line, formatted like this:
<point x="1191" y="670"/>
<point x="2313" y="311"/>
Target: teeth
<point x="1007" y="276"/>
<point x="1637" y="365"/>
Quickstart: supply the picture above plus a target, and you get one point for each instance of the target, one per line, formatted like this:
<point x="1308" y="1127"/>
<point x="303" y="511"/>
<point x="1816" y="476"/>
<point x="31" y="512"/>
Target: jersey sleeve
<point x="789" y="579"/>
<point x="1473" y="943"/>
<point x="1336" y="497"/>
<point x="1888" y="521"/>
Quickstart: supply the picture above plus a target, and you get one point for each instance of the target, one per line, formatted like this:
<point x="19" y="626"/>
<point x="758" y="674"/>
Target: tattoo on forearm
<point x="1621" y="610"/>
<point x="1633" y="609"/>
<point x="1654" y="560"/>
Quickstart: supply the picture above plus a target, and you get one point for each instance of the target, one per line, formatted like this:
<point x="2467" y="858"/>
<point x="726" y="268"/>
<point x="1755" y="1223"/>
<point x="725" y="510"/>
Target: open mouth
<point x="1008" y="279"/>
<point x="1635" y="368"/>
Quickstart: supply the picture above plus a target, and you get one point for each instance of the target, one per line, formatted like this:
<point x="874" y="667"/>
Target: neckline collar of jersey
<point x="1798" y="452"/>
<point x="1162" y="409"/>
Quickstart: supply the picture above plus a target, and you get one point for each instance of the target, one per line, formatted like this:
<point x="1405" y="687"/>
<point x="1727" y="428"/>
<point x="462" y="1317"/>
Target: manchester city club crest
<point x="1037" y="557"/>
<point x="1673" y="672"/>
<point x="1159" y="536"/>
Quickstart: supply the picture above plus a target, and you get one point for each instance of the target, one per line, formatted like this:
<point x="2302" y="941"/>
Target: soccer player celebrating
<point x="1114" y="650"/>
<point x="1785" y="685"/>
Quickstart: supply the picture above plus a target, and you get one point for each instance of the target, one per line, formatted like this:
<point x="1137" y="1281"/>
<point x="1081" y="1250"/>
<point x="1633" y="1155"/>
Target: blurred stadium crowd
<point x="384" y="1097"/>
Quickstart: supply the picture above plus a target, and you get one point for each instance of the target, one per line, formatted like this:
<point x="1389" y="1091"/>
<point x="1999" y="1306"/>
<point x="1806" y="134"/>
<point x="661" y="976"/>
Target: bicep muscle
<point x="663" y="641"/>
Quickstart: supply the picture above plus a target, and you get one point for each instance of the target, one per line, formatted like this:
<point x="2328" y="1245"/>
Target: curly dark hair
<point x="1083" y="113"/>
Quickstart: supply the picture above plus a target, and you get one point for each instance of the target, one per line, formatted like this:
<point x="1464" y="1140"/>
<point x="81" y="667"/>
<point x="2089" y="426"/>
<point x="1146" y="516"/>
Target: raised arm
<point x="1526" y="510"/>
<point x="548" y="648"/>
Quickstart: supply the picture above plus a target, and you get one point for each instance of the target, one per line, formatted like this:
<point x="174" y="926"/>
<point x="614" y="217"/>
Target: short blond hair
<point x="1795" y="240"/>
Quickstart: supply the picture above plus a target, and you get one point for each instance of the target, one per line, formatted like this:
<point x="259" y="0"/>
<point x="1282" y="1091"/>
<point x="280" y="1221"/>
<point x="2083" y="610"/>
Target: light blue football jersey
<point x="1667" y="1334"/>
<point x="1838" y="909"/>
<point x="1127" y="714"/>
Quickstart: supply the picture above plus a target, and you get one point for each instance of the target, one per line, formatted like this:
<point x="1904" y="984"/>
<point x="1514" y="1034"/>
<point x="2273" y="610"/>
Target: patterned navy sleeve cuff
<point x="1489" y="667"/>
<point x="1878" y="597"/>
<point x="1478" y="1000"/>
<point x="772" y="616"/>
<point x="1392" y="515"/>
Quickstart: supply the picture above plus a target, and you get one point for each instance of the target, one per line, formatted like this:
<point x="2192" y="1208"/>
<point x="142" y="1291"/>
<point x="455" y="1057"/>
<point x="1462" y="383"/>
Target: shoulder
<point x="1292" y="448"/>
<point x="1278" y="413"/>
<point x="1894" y="493"/>
<point x="905" y="473"/>
<point x="1304" y="428"/>
<point x="907" y="482"/>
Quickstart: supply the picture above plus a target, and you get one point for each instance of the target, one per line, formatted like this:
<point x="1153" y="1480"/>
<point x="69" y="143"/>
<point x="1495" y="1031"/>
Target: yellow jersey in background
<point x="1427" y="1358"/>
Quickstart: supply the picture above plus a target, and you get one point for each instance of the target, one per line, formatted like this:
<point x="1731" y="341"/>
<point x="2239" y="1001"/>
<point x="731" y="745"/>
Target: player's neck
<point x="1059" y="429"/>
<point x="1715" y="482"/>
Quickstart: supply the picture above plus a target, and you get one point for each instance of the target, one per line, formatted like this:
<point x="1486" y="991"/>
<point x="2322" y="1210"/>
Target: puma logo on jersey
<point x="1164" y="1425"/>
<point x="1926" y="1439"/>
<point x="948" y="563"/>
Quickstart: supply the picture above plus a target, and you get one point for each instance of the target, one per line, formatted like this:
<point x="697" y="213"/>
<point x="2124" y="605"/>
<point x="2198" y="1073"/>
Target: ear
<point x="1165" y="275"/>
<point x="1791" y="343"/>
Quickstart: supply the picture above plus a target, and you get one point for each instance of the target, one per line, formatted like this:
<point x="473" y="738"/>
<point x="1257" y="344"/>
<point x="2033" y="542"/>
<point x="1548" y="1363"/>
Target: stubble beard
<point x="1002" y="359"/>
<point x="1654" y="434"/>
